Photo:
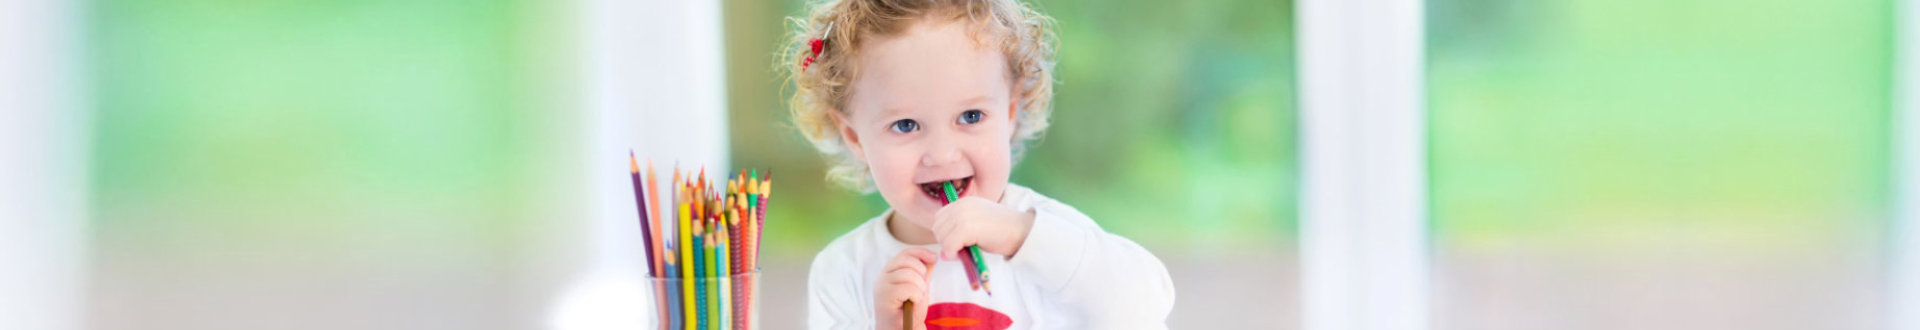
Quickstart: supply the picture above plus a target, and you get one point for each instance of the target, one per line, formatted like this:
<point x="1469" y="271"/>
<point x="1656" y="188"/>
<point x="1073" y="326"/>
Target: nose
<point x="943" y="149"/>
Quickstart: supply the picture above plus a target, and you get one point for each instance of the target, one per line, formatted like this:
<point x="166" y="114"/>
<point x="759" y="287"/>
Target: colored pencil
<point x="673" y="300"/>
<point x="700" y="255"/>
<point x="973" y="251"/>
<point x="750" y="234"/>
<point x="973" y="276"/>
<point x="726" y="281"/>
<point x="737" y="289"/>
<point x="702" y="244"/>
<point x="733" y="227"/>
<point x="713" y="284"/>
<point x="647" y="231"/>
<point x="658" y="247"/>
<point x="687" y="268"/>
<point x="752" y="199"/>
<point x="646" y="227"/>
<point x="760" y="215"/>
<point x="906" y="315"/>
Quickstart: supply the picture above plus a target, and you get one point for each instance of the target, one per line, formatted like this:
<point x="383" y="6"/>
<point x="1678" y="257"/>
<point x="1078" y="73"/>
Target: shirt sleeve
<point x="1101" y="280"/>
<point x="834" y="295"/>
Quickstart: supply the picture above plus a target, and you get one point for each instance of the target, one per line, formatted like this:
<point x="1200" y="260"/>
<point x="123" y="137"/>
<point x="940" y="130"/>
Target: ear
<point x="1013" y="118"/>
<point x="848" y="137"/>
<point x="1013" y="111"/>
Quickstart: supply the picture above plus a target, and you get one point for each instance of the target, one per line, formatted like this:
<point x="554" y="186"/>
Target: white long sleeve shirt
<point x="1069" y="274"/>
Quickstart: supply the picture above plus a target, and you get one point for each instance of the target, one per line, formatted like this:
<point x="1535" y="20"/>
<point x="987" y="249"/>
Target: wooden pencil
<point x="673" y="300"/>
<point x="703" y="265"/>
<point x="749" y="227"/>
<point x="702" y="245"/>
<point x="977" y="272"/>
<point x="646" y="221"/>
<point x="906" y="315"/>
<point x="748" y="253"/>
<point x="688" y="267"/>
<point x="659" y="244"/>
<point x="760" y="214"/>
<point x="726" y="277"/>
<point x="713" y="284"/>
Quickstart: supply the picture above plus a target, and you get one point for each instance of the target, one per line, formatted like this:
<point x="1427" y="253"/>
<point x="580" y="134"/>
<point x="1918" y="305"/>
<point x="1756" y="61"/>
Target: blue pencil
<point x="699" y="277"/>
<point x="673" y="290"/>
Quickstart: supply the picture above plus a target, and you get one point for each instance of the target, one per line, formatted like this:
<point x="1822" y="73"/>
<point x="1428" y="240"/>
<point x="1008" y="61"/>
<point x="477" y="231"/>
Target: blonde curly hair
<point x="820" y="87"/>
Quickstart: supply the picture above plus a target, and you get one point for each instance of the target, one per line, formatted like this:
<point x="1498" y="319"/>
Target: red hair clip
<point x="816" y="45"/>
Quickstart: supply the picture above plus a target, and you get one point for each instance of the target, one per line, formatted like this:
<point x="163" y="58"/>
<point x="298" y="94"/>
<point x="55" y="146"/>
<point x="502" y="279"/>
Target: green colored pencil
<point x="973" y="251"/>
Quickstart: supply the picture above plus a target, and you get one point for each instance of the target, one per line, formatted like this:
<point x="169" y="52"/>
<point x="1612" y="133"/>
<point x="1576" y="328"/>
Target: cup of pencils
<point x="715" y="303"/>
<point x="703" y="252"/>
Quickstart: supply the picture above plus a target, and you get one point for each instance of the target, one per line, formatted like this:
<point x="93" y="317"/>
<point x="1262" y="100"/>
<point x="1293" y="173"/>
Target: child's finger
<point x="920" y="303"/>
<point x="900" y="286"/>
<point x="943" y="221"/>
<point x="905" y="275"/>
<point x="924" y="256"/>
<point x="954" y="239"/>
<point x="911" y="266"/>
<point x="947" y="230"/>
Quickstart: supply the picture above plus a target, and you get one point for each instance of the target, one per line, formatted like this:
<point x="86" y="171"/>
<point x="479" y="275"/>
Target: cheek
<point x="893" y="169"/>
<point x="993" y="160"/>
<point x="890" y="165"/>
<point x="1004" y="127"/>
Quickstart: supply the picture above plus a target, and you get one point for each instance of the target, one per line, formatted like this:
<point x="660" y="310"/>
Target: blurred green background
<point x="1648" y="164"/>
<point x="324" y="164"/>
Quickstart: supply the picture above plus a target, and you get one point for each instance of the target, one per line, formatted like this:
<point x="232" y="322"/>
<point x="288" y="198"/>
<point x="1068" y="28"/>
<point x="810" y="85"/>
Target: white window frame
<point x="43" y="166"/>
<point x="1363" y="222"/>
<point x="1904" y="278"/>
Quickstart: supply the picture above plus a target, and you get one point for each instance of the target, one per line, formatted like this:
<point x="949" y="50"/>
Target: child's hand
<point x="973" y="220"/>
<point x="903" y="279"/>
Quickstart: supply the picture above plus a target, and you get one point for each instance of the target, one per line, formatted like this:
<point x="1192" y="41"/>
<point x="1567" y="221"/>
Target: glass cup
<point x="707" y="303"/>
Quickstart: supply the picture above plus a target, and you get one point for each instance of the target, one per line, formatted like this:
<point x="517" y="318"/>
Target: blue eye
<point x="904" y="126"/>
<point x="972" y="116"/>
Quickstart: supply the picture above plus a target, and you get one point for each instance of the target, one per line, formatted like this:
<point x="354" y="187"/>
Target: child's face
<point x="929" y="106"/>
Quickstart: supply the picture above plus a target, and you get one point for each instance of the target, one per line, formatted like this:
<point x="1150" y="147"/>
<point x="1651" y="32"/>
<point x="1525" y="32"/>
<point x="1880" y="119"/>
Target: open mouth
<point x="938" y="192"/>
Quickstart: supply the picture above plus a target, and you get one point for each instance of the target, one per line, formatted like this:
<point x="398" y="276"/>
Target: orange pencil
<point x="653" y="203"/>
<point x="700" y="196"/>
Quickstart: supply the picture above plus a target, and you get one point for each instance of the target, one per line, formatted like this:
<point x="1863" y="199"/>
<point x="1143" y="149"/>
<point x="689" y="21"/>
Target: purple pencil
<point x="646" y="227"/>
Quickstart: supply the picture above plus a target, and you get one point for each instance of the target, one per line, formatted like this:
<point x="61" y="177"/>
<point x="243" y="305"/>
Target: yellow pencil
<point x="686" y="256"/>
